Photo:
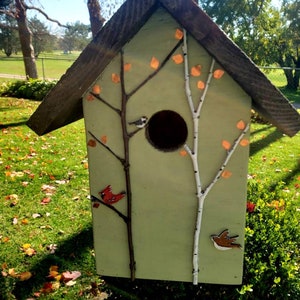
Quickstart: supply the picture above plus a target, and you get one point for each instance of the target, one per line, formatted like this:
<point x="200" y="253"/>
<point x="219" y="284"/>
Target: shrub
<point x="33" y="89"/>
<point x="272" y="244"/>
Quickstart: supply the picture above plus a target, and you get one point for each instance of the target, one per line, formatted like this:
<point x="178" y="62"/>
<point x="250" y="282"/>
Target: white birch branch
<point x="193" y="152"/>
<point x="186" y="73"/>
<point x="227" y="158"/>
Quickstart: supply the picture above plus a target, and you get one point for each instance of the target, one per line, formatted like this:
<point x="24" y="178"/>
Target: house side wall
<point x="164" y="205"/>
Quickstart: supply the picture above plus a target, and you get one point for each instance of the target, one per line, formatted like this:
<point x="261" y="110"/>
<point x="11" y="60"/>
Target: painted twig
<point x="126" y="137"/>
<point x="122" y="160"/>
<point x="95" y="199"/>
<point x="166" y="59"/>
<point x="97" y="96"/>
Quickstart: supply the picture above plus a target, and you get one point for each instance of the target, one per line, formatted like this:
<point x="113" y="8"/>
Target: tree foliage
<point x="269" y="35"/>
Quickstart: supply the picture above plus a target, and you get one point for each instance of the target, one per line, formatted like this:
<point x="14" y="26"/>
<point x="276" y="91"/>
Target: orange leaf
<point x="12" y="272"/>
<point x="96" y="89"/>
<point x="196" y="70"/>
<point x="241" y="125"/>
<point x="200" y="85"/>
<point x="244" y="142"/>
<point x="25" y="276"/>
<point x="226" y="174"/>
<point x="178" y="34"/>
<point x="115" y="78"/>
<point x="218" y="73"/>
<point x="90" y="97"/>
<point x="53" y="268"/>
<point x="30" y="252"/>
<point x="183" y="153"/>
<point x="25" y="221"/>
<point x="226" y="145"/>
<point x="92" y="143"/>
<point x="154" y="63"/>
<point x="127" y="67"/>
<point x="178" y="59"/>
<point x="104" y="139"/>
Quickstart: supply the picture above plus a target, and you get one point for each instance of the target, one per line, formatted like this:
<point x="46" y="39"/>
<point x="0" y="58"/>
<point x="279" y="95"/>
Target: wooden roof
<point x="63" y="104"/>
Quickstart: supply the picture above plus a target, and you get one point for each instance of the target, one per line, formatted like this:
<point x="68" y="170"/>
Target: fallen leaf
<point x="45" y="200"/>
<point x="34" y="216"/>
<point x="30" y="252"/>
<point x="67" y="276"/>
<point x="47" y="288"/>
<point x="25" y="276"/>
<point x="25" y="221"/>
<point x="12" y="273"/>
<point x="154" y="63"/>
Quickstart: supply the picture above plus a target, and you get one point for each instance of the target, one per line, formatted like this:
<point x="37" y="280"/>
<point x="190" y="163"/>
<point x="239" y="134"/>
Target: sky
<point x="70" y="11"/>
<point x="65" y="11"/>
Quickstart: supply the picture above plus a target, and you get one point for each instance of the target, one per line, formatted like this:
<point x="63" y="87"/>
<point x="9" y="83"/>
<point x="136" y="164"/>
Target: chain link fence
<point x="54" y="68"/>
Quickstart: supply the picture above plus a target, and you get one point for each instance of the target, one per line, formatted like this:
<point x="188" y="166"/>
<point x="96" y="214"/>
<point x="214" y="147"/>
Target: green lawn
<point x="49" y="65"/>
<point x="46" y="218"/>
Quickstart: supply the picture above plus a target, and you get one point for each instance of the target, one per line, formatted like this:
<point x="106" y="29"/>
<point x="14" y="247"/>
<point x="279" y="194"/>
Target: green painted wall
<point x="164" y="204"/>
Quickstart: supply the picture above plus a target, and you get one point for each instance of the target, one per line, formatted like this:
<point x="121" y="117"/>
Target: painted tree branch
<point x="118" y="111"/>
<point x="122" y="160"/>
<point x="95" y="199"/>
<point x="132" y="264"/>
<point x="162" y="64"/>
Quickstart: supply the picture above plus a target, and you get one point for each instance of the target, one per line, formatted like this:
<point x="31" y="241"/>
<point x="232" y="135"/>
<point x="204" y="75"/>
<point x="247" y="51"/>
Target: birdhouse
<point x="166" y="98"/>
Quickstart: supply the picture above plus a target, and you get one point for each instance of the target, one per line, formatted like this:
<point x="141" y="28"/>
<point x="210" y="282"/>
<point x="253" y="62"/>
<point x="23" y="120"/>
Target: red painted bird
<point x="223" y="241"/>
<point x="110" y="198"/>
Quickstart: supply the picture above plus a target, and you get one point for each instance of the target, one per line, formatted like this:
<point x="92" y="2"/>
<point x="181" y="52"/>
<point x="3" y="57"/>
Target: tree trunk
<point x="26" y="40"/>
<point x="96" y="19"/>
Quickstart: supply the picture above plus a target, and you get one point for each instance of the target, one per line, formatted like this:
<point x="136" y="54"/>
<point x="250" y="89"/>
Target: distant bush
<point x="33" y="89"/>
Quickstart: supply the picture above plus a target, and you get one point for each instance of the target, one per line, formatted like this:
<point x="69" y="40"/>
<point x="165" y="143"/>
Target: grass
<point x="44" y="202"/>
<point x="49" y="65"/>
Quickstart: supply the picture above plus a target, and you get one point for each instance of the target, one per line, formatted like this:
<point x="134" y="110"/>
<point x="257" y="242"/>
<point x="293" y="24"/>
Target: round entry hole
<point x="166" y="130"/>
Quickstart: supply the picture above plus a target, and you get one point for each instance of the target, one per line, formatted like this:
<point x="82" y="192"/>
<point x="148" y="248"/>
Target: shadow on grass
<point x="266" y="141"/>
<point x="14" y="124"/>
<point x="70" y="253"/>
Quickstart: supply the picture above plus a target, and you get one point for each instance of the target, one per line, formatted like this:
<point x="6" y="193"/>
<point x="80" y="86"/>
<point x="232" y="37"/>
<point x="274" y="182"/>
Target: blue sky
<point x="70" y="11"/>
<point x="65" y="11"/>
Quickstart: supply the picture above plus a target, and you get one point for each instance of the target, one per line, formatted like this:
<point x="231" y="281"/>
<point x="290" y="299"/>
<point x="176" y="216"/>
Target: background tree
<point x="17" y="9"/>
<point x="76" y="37"/>
<point x="42" y="39"/>
<point x="267" y="34"/>
<point x="96" y="18"/>
<point x="9" y="40"/>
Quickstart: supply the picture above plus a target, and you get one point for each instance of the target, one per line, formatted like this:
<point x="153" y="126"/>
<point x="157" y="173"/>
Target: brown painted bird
<point x="223" y="241"/>
<point x="110" y="198"/>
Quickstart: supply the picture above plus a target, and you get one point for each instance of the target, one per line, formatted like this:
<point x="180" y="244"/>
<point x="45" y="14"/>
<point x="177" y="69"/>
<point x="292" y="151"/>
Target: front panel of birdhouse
<point x="167" y="137"/>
